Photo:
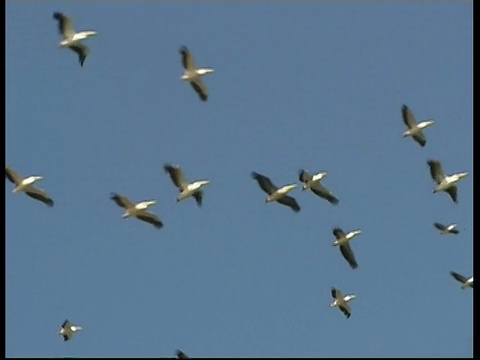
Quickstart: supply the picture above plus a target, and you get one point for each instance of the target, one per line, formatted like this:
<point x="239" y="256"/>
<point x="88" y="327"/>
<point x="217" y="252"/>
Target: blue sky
<point x="314" y="85"/>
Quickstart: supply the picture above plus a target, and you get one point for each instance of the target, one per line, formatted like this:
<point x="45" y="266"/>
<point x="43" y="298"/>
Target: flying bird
<point x="194" y="75"/>
<point x="414" y="128"/>
<point x="138" y="210"/>
<point x="276" y="194"/>
<point x="444" y="182"/>
<point x="26" y="185"/>
<point x="181" y="355"/>
<point x="186" y="189"/>
<point x="313" y="183"/>
<point x="67" y="330"/>
<point x="450" y="229"/>
<point x="72" y="39"/>
<point x="342" y="301"/>
<point x="343" y="241"/>
<point x="466" y="282"/>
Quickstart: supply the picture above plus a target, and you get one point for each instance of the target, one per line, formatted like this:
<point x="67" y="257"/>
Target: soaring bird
<point x="277" y="194"/>
<point x="26" y="185"/>
<point x="414" y="128"/>
<point x="313" y="183"/>
<point x="72" y="39"/>
<point x="192" y="74"/>
<point x="186" y="189"/>
<point x="181" y="355"/>
<point x="67" y="330"/>
<point x="138" y="210"/>
<point x="444" y="182"/>
<point x="343" y="241"/>
<point x="444" y="229"/>
<point x="341" y="301"/>
<point x="466" y="282"/>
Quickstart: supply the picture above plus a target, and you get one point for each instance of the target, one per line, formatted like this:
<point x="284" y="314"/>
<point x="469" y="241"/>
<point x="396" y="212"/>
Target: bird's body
<point x="314" y="184"/>
<point x="446" y="229"/>
<point x="72" y="39"/>
<point x="26" y="185"/>
<point x="446" y="183"/>
<point x="68" y="330"/>
<point x="137" y="210"/>
<point x="276" y="194"/>
<point x="192" y="74"/>
<point x="414" y="128"/>
<point x="185" y="188"/>
<point x="342" y="240"/>
<point x="466" y="282"/>
<point x="341" y="301"/>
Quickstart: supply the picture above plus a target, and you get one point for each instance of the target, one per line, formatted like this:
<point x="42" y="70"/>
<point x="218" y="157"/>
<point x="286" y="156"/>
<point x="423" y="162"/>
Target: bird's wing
<point x="122" y="201"/>
<point x="323" y="192"/>
<point x="200" y="88"/>
<point x="265" y="183"/>
<point x="65" y="324"/>
<point x="419" y="137"/>
<point x="181" y="355"/>
<point x="65" y="25"/>
<point x="439" y="226"/>
<point x="41" y="195"/>
<point x="13" y="176"/>
<point x="436" y="170"/>
<point x="187" y="58"/>
<point x="81" y="50"/>
<point x="336" y="294"/>
<point x="66" y="337"/>
<point x="455" y="231"/>
<point x="150" y="218"/>
<point x="408" y="117"/>
<point x="198" y="195"/>
<point x="289" y="201"/>
<point x="176" y="175"/>
<point x="347" y="253"/>
<point x="453" y="192"/>
<point x="339" y="233"/>
<point x="458" y="277"/>
<point x="304" y="176"/>
<point x="345" y="309"/>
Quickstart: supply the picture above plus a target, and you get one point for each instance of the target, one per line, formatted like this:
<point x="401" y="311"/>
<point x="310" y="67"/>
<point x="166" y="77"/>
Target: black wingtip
<point x="57" y="15"/>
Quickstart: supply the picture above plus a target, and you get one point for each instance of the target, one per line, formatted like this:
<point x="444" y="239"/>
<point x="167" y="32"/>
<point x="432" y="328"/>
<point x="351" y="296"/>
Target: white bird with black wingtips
<point x="414" y="128"/>
<point x="341" y="301"/>
<point x="68" y="330"/>
<point x="342" y="240"/>
<point x="138" y="210"/>
<point x="192" y="74"/>
<point x="466" y="281"/>
<point x="186" y="189"/>
<point x="446" y="183"/>
<point x="312" y="182"/>
<point x="446" y="229"/>
<point x="26" y="185"/>
<point x="275" y="193"/>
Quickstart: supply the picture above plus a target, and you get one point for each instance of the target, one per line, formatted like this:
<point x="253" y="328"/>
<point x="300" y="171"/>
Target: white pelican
<point x="72" y="39"/>
<point x="466" y="282"/>
<point x="67" y="330"/>
<point x="444" y="229"/>
<point x="194" y="75"/>
<point x="343" y="241"/>
<point x="277" y="194"/>
<point x="137" y="210"/>
<point x="186" y="190"/>
<point x="414" y="129"/>
<point x="444" y="182"/>
<point x="342" y="301"/>
<point x="313" y="183"/>
<point x="181" y="355"/>
<point x="26" y="185"/>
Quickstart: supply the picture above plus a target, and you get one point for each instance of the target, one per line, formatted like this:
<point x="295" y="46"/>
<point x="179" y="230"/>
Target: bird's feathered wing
<point x="65" y="25"/>
<point x="347" y="253"/>
<point x="176" y="175"/>
<point x="122" y="201"/>
<point x="436" y="170"/>
<point x="290" y="202"/>
<point x="265" y="183"/>
<point x="40" y="195"/>
<point x="13" y="176"/>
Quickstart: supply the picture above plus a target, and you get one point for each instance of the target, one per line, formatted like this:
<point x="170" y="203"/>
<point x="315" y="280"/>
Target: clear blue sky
<point x="317" y="85"/>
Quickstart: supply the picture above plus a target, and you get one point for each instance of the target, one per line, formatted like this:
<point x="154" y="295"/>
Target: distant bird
<point x="67" y="330"/>
<point x="343" y="241"/>
<point x="313" y="183"/>
<point x="450" y="229"/>
<point x="277" y="194"/>
<point x="186" y="189"/>
<point x="193" y="74"/>
<point x="26" y="185"/>
<point x="414" y="129"/>
<point x="444" y="182"/>
<point x="342" y="301"/>
<point x="72" y="39"/>
<point x="466" y="282"/>
<point x="181" y="355"/>
<point x="137" y="210"/>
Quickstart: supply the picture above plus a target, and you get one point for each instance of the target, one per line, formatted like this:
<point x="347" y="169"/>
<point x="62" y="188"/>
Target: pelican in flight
<point x="343" y="241"/>
<point x="67" y="330"/>
<point x="26" y="185"/>
<point x="194" y="75"/>
<point x="181" y="355"/>
<point x="341" y="301"/>
<point x="277" y="194"/>
<point x="466" y="282"/>
<point x="414" y="128"/>
<point x="313" y="183"/>
<point x="72" y="39"/>
<point x="138" y="210"/>
<point x="186" y="189"/>
<point x="444" y="182"/>
<point x="444" y="229"/>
